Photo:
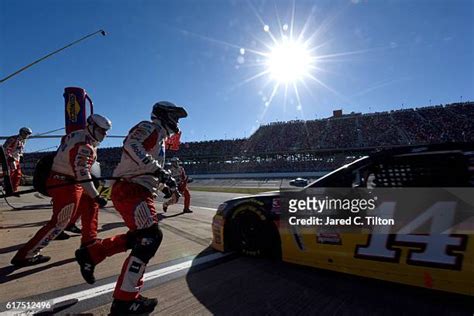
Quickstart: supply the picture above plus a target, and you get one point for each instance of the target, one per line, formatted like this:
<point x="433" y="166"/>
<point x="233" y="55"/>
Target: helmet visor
<point x="25" y="134"/>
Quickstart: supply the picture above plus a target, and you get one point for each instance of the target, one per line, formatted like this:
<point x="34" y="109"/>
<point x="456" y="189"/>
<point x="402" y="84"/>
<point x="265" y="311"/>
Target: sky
<point x="217" y="59"/>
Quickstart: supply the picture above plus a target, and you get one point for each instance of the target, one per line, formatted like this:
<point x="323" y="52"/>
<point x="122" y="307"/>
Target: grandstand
<point x="314" y="145"/>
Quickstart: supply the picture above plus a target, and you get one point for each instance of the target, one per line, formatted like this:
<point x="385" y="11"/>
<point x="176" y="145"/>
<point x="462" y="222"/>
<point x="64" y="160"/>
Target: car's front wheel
<point x="252" y="234"/>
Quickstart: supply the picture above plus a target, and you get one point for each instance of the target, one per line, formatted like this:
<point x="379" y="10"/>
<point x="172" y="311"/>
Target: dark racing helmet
<point x="167" y="115"/>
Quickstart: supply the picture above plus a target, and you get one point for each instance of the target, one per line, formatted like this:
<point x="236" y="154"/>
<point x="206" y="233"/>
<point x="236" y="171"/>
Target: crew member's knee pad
<point x="147" y="241"/>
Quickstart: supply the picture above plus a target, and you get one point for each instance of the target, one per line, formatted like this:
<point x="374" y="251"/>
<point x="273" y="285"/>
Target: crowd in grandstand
<point x="316" y="145"/>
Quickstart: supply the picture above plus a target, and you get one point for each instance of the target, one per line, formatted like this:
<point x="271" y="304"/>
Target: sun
<point x="289" y="61"/>
<point x="291" y="58"/>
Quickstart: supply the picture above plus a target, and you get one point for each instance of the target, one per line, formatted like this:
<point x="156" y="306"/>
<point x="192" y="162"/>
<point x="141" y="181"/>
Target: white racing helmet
<point x="98" y="125"/>
<point x="175" y="161"/>
<point x="25" y="132"/>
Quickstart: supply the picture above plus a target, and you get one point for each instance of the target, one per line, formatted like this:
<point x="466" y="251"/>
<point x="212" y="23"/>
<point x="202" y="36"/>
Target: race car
<point x="255" y="225"/>
<point x="299" y="182"/>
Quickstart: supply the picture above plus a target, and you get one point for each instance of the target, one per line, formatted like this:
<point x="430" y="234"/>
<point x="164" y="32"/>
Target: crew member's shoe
<point x="86" y="264"/>
<point x="187" y="210"/>
<point x="30" y="262"/>
<point x="73" y="229"/>
<point x="139" y="306"/>
<point x="62" y="236"/>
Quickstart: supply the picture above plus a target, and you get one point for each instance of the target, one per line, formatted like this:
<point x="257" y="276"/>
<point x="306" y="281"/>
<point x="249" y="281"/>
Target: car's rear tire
<point x="252" y="234"/>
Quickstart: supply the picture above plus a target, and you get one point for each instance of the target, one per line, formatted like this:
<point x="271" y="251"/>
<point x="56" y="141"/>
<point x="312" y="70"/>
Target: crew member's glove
<point x="166" y="178"/>
<point x="101" y="201"/>
<point x="162" y="175"/>
<point x="171" y="183"/>
<point x="169" y="188"/>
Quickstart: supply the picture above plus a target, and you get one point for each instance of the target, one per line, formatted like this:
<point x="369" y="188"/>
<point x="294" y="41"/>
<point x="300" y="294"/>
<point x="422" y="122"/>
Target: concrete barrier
<point x="275" y="175"/>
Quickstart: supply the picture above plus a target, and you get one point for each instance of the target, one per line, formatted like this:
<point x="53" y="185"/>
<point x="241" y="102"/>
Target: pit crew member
<point x="142" y="173"/>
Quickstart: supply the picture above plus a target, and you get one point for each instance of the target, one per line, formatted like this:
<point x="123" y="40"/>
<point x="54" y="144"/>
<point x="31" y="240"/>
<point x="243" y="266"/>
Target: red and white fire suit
<point x="179" y="174"/>
<point x="133" y="197"/>
<point x="14" y="147"/>
<point x="73" y="161"/>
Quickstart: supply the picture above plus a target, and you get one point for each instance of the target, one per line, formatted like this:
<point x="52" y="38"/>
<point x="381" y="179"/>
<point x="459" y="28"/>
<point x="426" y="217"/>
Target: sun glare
<point x="290" y="56"/>
<point x="289" y="61"/>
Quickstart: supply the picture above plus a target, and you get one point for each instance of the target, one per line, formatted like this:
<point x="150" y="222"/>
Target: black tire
<point x="252" y="234"/>
<point x="41" y="174"/>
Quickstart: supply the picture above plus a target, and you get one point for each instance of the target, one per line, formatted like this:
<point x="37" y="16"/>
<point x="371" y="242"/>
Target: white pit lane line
<point x="201" y="207"/>
<point x="107" y="288"/>
<point x="207" y="208"/>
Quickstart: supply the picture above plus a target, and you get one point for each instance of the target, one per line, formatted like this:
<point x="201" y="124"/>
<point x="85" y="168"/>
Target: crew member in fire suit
<point x="72" y="162"/>
<point x="14" y="147"/>
<point x="179" y="174"/>
<point x="142" y="176"/>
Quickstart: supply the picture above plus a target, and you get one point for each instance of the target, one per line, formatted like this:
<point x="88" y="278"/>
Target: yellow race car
<point x="257" y="226"/>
